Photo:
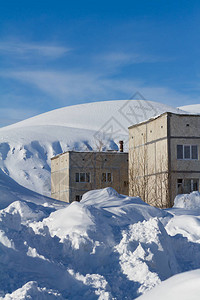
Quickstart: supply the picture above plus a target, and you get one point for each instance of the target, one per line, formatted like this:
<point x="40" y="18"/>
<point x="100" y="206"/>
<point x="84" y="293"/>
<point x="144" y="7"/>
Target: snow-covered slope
<point x="27" y="147"/>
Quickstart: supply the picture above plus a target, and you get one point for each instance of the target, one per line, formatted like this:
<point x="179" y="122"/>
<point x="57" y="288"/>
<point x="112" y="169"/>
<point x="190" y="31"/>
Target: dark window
<point x="179" y="151"/>
<point x="195" y="184"/>
<point x="194" y="152"/>
<point x="87" y="177"/>
<point x="77" y="177"/>
<point x="103" y="177"/>
<point x="186" y="186"/>
<point x="187" y="152"/>
<point x="106" y="177"/>
<point x="82" y="177"/>
<point x="109" y="177"/>
<point x="78" y="198"/>
<point x="180" y="186"/>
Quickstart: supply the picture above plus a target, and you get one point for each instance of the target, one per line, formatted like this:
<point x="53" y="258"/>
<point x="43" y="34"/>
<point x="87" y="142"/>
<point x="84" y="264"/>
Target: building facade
<point x="164" y="158"/>
<point x="75" y="173"/>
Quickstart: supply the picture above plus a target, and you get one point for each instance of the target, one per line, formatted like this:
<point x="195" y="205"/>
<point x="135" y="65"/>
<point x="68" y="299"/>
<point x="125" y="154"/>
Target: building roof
<point x="109" y="152"/>
<point x="165" y="113"/>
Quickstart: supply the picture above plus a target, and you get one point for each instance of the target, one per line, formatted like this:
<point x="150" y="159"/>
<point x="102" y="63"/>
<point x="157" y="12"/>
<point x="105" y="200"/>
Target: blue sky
<point x="59" y="53"/>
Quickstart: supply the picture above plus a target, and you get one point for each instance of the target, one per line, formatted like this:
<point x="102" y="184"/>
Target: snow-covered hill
<point x="27" y="147"/>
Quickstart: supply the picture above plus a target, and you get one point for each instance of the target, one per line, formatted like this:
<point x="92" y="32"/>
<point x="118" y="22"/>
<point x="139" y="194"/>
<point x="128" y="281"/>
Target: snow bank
<point x="188" y="201"/>
<point x="179" y="287"/>
<point x="107" y="246"/>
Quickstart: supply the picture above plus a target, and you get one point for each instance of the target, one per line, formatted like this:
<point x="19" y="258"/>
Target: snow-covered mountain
<point x="27" y="147"/>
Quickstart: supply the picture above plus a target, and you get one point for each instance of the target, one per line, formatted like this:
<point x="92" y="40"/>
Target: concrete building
<point x="164" y="158"/>
<point x="74" y="173"/>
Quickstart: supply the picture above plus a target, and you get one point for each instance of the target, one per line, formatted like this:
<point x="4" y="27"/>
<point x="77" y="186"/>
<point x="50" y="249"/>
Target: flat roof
<point x="102" y="152"/>
<point x="165" y="113"/>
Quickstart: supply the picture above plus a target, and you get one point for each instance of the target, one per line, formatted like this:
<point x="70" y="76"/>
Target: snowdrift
<point x="107" y="246"/>
<point x="188" y="201"/>
<point x="179" y="287"/>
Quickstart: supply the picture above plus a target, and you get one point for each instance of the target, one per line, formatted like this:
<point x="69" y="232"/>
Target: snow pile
<point x="108" y="246"/>
<point x="188" y="201"/>
<point x="186" y="218"/>
<point x="183" y="286"/>
<point x="31" y="290"/>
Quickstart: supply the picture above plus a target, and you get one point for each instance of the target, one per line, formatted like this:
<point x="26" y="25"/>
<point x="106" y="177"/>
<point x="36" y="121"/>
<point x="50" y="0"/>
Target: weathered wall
<point x="148" y="161"/>
<point x="65" y="167"/>
<point x="60" y="177"/>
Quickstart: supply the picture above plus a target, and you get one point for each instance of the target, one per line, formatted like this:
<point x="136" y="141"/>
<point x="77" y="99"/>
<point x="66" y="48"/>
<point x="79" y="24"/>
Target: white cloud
<point x="25" y="50"/>
<point x="90" y="86"/>
<point x="118" y="59"/>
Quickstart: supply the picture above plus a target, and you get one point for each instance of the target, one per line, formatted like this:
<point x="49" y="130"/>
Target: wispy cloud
<point x="78" y="86"/>
<point x="24" y="50"/>
<point x="119" y="59"/>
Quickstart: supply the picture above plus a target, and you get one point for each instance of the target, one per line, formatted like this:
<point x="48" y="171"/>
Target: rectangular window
<point x="78" y="198"/>
<point x="106" y="177"/>
<point x="82" y="177"/>
<point x="194" y="152"/>
<point x="77" y="177"/>
<point x="179" y="151"/>
<point x="187" y="152"/>
<point x="186" y="186"/>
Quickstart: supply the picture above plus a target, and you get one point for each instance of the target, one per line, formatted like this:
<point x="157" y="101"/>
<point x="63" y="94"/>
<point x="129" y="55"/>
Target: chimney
<point x="121" y="146"/>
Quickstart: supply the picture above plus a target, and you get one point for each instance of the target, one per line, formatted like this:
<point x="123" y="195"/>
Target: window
<point x="82" y="177"/>
<point x="187" y="152"/>
<point x="125" y="183"/>
<point x="185" y="186"/>
<point x="78" y="198"/>
<point x="106" y="177"/>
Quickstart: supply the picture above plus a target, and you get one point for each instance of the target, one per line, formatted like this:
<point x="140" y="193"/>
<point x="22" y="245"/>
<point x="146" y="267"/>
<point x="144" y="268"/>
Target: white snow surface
<point x="26" y="147"/>
<point x="193" y="108"/>
<point x="108" y="246"/>
<point x="183" y="286"/>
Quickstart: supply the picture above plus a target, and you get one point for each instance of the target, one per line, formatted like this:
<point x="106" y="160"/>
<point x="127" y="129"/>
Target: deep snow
<point x="108" y="246"/>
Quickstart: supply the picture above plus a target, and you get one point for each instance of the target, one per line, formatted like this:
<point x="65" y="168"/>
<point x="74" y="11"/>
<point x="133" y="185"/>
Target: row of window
<point x="86" y="177"/>
<point x="187" y="152"/>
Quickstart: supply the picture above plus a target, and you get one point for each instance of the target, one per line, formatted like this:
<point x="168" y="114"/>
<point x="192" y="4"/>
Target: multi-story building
<point x="74" y="173"/>
<point x="164" y="158"/>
